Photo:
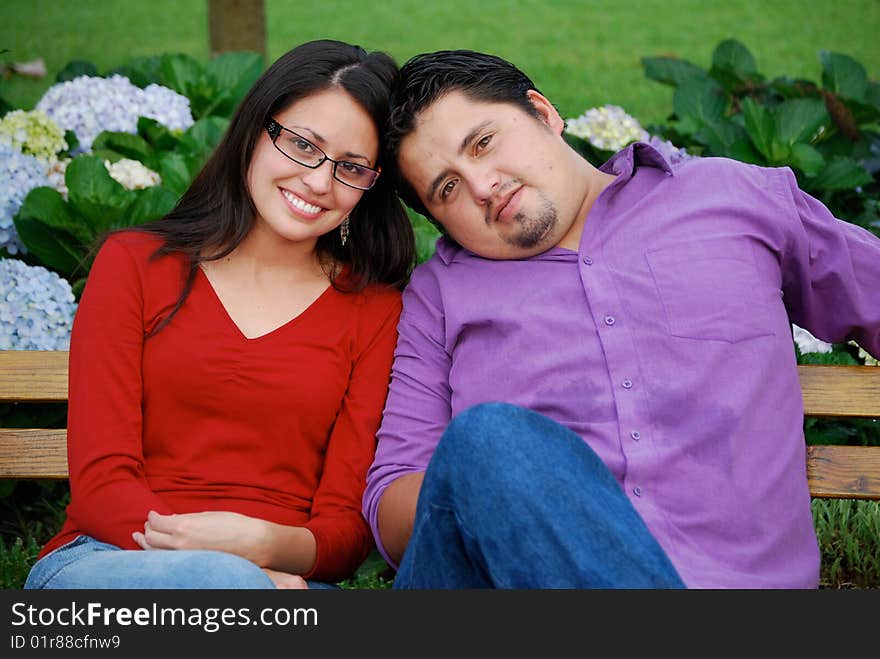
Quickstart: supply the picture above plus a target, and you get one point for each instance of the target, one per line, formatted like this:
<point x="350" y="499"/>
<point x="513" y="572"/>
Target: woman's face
<point x="295" y="202"/>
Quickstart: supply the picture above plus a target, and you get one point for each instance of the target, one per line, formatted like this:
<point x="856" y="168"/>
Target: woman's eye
<point x="351" y="168"/>
<point x="303" y="146"/>
<point x="483" y="143"/>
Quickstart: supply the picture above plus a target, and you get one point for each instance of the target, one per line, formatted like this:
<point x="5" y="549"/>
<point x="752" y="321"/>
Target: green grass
<point x="580" y="53"/>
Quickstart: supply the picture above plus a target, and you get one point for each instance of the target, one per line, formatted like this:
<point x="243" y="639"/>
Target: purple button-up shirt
<point x="665" y="342"/>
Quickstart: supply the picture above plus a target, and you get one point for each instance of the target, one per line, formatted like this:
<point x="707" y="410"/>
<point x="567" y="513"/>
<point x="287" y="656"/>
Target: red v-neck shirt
<point x="199" y="417"/>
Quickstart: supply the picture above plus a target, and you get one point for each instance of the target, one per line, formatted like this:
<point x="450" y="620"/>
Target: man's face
<point x="493" y="175"/>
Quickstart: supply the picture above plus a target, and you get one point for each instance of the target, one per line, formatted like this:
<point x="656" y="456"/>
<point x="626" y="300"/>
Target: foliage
<point x="847" y="532"/>
<point x="827" y="132"/>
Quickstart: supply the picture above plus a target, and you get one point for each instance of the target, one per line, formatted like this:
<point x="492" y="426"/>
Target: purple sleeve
<point x="831" y="274"/>
<point x="418" y="407"/>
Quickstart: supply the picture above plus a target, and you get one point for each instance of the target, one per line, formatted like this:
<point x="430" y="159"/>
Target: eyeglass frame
<point x="274" y="129"/>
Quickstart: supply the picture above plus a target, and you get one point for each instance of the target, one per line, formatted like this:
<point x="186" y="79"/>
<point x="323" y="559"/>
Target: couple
<point x="579" y="394"/>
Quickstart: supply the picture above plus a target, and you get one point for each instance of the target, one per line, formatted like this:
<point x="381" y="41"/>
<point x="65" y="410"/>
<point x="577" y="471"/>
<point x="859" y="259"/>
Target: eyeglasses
<point x="301" y="151"/>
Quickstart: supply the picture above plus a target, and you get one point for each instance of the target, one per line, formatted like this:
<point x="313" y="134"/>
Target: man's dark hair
<point x="426" y="78"/>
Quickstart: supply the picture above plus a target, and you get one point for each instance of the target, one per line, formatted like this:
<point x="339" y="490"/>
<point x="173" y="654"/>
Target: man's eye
<point x="447" y="189"/>
<point x="483" y="143"/>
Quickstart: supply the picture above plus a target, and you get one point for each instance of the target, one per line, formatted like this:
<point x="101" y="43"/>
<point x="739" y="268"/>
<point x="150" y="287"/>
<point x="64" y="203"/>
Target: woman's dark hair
<point x="426" y="78"/>
<point x="216" y="213"/>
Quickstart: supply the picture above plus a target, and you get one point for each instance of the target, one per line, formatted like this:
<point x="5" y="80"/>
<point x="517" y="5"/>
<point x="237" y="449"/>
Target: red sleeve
<point x="341" y="532"/>
<point x="110" y="497"/>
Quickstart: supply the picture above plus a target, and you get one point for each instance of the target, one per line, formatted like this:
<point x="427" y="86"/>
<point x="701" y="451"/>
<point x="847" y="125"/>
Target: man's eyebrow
<point x="476" y="130"/>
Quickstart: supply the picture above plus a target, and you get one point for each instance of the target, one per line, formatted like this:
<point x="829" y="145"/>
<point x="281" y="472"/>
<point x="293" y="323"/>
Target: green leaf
<point x="156" y="135"/>
<point x="670" y="70"/>
<point x="733" y="64"/>
<point x="719" y="136"/>
<point x="426" y="235"/>
<point x="844" y="76"/>
<point x="760" y="127"/>
<point x="743" y="150"/>
<point x="54" y="247"/>
<point x="72" y="142"/>
<point x="142" y="71"/>
<point x="48" y="206"/>
<point x="872" y="95"/>
<point x="127" y="145"/>
<point x="841" y="174"/>
<point x="234" y="73"/>
<point x="700" y="99"/>
<point x="174" y="172"/>
<point x="807" y="159"/>
<point x="204" y="135"/>
<point x="94" y="194"/>
<point x="181" y="73"/>
<point x="76" y="68"/>
<point x="150" y="205"/>
<point x="799" y="119"/>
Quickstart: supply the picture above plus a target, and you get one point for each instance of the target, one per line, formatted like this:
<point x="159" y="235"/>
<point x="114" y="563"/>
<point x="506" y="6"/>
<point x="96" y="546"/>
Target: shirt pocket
<point x="711" y="290"/>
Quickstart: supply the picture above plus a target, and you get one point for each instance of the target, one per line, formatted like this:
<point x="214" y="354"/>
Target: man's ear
<point x="546" y="111"/>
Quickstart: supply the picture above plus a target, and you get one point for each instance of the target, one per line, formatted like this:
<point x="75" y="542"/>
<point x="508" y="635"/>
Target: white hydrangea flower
<point x="608" y="127"/>
<point x="88" y="105"/>
<point x="672" y="153"/>
<point x="869" y="360"/>
<point x="36" y="308"/>
<point x="19" y="174"/>
<point x="33" y="133"/>
<point x="132" y="174"/>
<point x="808" y="343"/>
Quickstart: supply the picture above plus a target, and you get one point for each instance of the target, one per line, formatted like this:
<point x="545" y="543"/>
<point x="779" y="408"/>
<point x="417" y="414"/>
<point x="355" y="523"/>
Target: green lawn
<point x="580" y="53"/>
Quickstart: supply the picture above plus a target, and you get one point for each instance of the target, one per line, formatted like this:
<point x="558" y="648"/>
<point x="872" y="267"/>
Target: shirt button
<point x="627" y="384"/>
<point x="637" y="491"/>
<point x="609" y="320"/>
<point x="588" y="260"/>
<point x="636" y="435"/>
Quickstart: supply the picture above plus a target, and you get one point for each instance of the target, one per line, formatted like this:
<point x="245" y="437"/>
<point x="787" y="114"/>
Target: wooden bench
<point x="834" y="472"/>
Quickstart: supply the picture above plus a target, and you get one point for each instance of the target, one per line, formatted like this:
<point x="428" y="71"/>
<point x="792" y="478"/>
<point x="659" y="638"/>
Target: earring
<point x="344" y="230"/>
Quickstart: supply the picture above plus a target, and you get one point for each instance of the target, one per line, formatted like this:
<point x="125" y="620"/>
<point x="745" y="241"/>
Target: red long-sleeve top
<point x="198" y="417"/>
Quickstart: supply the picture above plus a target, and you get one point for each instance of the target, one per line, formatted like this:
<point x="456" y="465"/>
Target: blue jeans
<point x="512" y="499"/>
<point x="89" y="563"/>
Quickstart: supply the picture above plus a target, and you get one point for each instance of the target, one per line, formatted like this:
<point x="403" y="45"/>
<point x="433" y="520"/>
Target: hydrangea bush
<point x="609" y="129"/>
<point x="36" y="308"/>
<point x="33" y="133"/>
<point x="19" y="173"/>
<point x="88" y="105"/>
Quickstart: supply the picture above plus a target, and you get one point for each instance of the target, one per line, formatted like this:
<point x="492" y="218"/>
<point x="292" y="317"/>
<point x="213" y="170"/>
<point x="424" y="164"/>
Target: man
<point x="595" y="381"/>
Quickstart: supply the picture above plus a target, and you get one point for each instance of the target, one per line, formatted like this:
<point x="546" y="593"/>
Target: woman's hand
<point x="222" y="531"/>
<point x="285" y="580"/>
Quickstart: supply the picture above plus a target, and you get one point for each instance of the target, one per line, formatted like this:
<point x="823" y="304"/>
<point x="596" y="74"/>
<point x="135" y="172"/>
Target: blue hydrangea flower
<point x="19" y="174"/>
<point x="672" y="153"/>
<point x="89" y="105"/>
<point x="36" y="308"/>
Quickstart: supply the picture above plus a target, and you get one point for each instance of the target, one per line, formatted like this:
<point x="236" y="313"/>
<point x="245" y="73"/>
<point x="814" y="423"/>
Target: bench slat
<point x="844" y="472"/>
<point x="33" y="376"/>
<point x="26" y="453"/>
<point x="841" y="390"/>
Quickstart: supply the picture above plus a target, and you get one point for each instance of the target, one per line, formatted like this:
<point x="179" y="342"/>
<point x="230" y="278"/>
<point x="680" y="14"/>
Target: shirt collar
<point x="638" y="154"/>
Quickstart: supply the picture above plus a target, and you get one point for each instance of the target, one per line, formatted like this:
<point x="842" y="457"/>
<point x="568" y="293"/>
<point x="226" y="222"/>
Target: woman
<point x="229" y="363"/>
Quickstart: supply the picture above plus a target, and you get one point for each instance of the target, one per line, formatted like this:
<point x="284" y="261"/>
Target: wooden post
<point x="237" y="25"/>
